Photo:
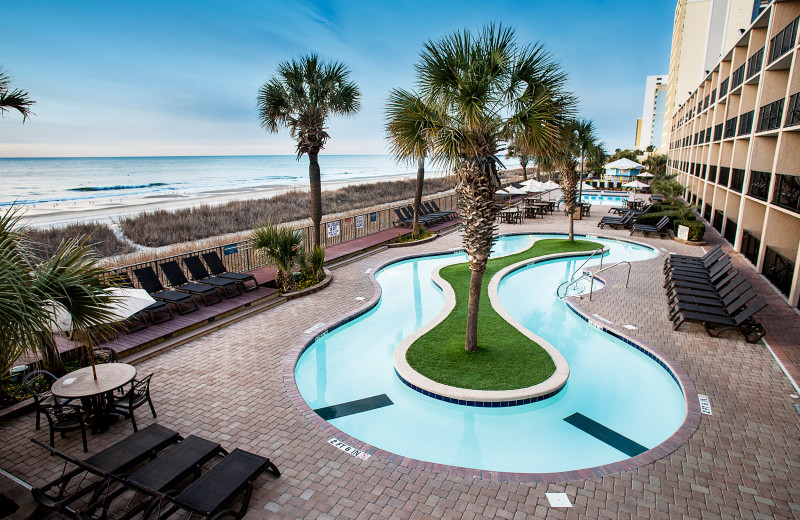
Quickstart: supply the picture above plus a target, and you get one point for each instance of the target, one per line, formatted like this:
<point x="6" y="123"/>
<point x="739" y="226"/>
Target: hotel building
<point x="735" y="145"/>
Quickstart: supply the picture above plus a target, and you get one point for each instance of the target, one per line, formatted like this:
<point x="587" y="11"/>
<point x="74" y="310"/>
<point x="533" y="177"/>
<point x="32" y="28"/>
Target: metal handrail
<point x="572" y="278"/>
<point x="569" y="283"/>
<point x="601" y="250"/>
<point x="591" y="287"/>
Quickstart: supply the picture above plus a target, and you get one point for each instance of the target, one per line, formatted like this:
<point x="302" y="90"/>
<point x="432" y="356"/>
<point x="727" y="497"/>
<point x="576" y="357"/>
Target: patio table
<point x="82" y="385"/>
<point x="511" y="216"/>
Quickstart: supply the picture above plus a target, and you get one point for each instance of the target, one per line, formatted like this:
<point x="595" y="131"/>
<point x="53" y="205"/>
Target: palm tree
<point x="657" y="164"/>
<point x="563" y="154"/>
<point x="585" y="138"/>
<point x="408" y="140"/>
<point x="16" y="99"/>
<point x="30" y="294"/>
<point x="282" y="247"/>
<point x="482" y="92"/>
<point x="300" y="97"/>
<point x="596" y="157"/>
<point x="523" y="157"/>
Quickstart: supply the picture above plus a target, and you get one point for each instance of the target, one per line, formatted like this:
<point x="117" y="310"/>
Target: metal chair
<point x="134" y="398"/>
<point x="38" y="384"/>
<point x="65" y="418"/>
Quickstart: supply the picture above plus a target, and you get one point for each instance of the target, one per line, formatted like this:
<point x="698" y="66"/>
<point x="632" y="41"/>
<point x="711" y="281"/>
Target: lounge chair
<point x="149" y="281"/>
<point x="178" y="281"/>
<point x="661" y="228"/>
<point x="694" y="261"/>
<point x="699" y="275"/>
<point x="408" y="211"/>
<point x="152" y="311"/>
<point x="453" y="214"/>
<point x="713" y="285"/>
<point x="616" y="222"/>
<point x="699" y="295"/>
<point x="217" y="267"/>
<point x="200" y="274"/>
<point x="731" y="302"/>
<point x="741" y="320"/>
<point x="115" y="459"/>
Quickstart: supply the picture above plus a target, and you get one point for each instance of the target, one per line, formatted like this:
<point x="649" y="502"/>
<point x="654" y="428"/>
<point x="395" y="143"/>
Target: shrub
<point x="696" y="229"/>
<point x="100" y="238"/>
<point x="653" y="218"/>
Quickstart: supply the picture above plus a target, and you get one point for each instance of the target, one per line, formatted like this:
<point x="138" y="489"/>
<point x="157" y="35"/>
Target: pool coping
<point x="676" y="440"/>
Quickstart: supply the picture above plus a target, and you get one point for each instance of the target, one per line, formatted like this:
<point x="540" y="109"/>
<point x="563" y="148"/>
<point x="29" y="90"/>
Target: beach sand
<point x="109" y="210"/>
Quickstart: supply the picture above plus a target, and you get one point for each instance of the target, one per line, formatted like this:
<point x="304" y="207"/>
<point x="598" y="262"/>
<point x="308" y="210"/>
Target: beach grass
<point x="102" y="239"/>
<point x="506" y="359"/>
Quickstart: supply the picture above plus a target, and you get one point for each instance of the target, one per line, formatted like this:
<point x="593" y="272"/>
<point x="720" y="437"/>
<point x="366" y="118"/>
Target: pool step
<point x="607" y="435"/>
<point x="352" y="407"/>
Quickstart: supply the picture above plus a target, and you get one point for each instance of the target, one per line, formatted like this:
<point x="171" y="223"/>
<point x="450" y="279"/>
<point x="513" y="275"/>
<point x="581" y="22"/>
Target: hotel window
<point x="754" y="63"/>
<point x="769" y="116"/>
<point x="783" y="41"/>
<point x="759" y="184"/>
<point x="746" y="123"/>
<point x="793" y="116"/>
<point x="787" y="192"/>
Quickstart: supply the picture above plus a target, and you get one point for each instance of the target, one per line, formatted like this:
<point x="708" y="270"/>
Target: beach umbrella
<point x="550" y="186"/>
<point x="635" y="185"/>
<point x="645" y="175"/>
<point x="532" y="185"/>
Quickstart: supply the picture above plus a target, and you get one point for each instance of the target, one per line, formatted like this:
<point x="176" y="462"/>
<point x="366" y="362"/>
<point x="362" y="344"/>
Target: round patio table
<point x="81" y="384"/>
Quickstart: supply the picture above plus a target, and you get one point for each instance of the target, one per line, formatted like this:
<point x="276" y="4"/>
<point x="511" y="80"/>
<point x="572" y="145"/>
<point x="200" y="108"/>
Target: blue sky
<point x="113" y="78"/>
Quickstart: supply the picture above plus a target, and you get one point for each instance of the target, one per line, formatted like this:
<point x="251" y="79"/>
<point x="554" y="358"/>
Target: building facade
<point x="735" y="145"/>
<point x="652" y="121"/>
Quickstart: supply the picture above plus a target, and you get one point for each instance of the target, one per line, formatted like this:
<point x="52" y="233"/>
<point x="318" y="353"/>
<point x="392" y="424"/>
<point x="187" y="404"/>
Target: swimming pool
<point x="612" y="387"/>
<point x="606" y="199"/>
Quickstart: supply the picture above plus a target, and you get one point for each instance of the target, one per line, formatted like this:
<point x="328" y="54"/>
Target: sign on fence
<point x="359" y="221"/>
<point x="230" y="249"/>
<point x="373" y="216"/>
<point x="333" y="229"/>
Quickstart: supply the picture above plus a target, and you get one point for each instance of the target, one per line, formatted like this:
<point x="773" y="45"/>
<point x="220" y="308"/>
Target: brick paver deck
<point x="742" y="462"/>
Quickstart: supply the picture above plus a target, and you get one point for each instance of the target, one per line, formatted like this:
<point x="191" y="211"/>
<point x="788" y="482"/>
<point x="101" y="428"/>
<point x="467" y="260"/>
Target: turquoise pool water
<point x="597" y="199"/>
<point x="610" y="382"/>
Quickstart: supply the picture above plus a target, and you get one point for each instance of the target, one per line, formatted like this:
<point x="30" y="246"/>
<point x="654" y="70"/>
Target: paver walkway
<point x="743" y="461"/>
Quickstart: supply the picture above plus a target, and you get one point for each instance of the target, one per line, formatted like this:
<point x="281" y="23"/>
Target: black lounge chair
<point x="178" y="281"/>
<point x="200" y="274"/>
<point x="217" y="267"/>
<point x="428" y="211"/>
<point x="661" y="228"/>
<point x="691" y="275"/>
<point x="152" y="311"/>
<point x="712" y="285"/>
<point x="408" y="212"/>
<point x="741" y="320"/>
<point x="705" y="261"/>
<point x="211" y="494"/>
<point x="699" y="296"/>
<point x="149" y="281"/>
<point x="625" y="221"/>
<point x="724" y="305"/>
<point x="432" y="208"/>
<point x="162" y="474"/>
<point x="113" y="460"/>
<point x="453" y="214"/>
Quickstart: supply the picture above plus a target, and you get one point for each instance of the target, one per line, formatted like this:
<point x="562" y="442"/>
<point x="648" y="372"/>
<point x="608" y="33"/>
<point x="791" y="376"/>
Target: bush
<point x="696" y="229"/>
<point x="653" y="218"/>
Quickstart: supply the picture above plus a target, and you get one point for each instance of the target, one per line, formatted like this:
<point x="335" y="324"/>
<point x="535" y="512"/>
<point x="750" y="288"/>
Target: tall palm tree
<point x="563" y="154"/>
<point x="482" y="92"/>
<point x="585" y="138"/>
<point x="30" y="294"/>
<point x="657" y="164"/>
<point x="407" y="138"/>
<point x="16" y="99"/>
<point x="596" y="157"/>
<point x="300" y="97"/>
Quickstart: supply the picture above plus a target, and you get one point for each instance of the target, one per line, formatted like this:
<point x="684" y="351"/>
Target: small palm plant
<point x="311" y="264"/>
<point x="282" y="247"/>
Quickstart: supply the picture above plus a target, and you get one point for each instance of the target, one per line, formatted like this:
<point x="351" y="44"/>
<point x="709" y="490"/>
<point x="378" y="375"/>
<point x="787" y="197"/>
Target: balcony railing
<point x="750" y="246"/>
<point x="746" y="122"/>
<point x="793" y="115"/>
<point x="723" y="88"/>
<point x="754" y="63"/>
<point x="713" y="96"/>
<point x="730" y="127"/>
<point x="787" y="192"/>
<point x="706" y="100"/>
<point x="783" y="41"/>
<point x="737" y="179"/>
<point x="708" y="134"/>
<point x="718" y="131"/>
<point x="779" y="270"/>
<point x="730" y="231"/>
<point x="712" y="173"/>
<point x="759" y="184"/>
<point x="769" y="116"/>
<point x="724" y="175"/>
<point x="737" y="78"/>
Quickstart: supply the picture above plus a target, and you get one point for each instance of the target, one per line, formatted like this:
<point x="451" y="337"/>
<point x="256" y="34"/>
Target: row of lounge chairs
<point x="627" y="219"/>
<point x="147" y="473"/>
<point x="429" y="214"/>
<point x="708" y="290"/>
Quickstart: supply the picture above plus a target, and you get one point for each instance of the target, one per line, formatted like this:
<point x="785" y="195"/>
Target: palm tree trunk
<point x="569" y="193"/>
<point x="580" y="186"/>
<point x="418" y="195"/>
<point x="475" y="191"/>
<point x="315" y="186"/>
<point x="524" y="173"/>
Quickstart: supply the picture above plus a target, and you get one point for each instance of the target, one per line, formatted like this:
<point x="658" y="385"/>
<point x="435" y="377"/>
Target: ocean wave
<point x="119" y="187"/>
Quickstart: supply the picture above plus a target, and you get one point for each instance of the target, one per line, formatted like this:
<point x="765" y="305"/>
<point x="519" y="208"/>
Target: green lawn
<point x="506" y="359"/>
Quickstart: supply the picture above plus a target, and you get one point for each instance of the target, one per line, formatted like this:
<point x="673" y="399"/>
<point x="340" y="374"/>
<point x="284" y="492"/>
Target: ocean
<point x="29" y="181"/>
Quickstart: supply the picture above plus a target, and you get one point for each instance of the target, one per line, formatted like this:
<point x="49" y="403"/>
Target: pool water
<point x="597" y="199"/>
<point x="610" y="382"/>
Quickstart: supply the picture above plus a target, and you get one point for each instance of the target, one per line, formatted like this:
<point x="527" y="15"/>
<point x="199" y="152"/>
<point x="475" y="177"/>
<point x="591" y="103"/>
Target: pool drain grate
<point x="607" y="435"/>
<point x="353" y="407"/>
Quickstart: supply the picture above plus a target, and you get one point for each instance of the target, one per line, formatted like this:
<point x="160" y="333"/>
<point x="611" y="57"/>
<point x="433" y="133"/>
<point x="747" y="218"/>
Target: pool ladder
<point x="572" y="280"/>
<point x="592" y="274"/>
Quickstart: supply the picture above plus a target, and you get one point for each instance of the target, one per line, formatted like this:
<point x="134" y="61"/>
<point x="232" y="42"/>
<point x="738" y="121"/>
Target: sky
<point x="153" y="78"/>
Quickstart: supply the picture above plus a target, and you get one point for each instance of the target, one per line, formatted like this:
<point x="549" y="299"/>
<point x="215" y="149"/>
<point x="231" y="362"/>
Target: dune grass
<point x="506" y="359"/>
<point x="100" y="237"/>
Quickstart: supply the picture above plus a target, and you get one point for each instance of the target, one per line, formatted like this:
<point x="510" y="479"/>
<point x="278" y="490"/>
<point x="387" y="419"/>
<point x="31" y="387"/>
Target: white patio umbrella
<point x="585" y="186"/>
<point x="550" y="186"/>
<point x="127" y="302"/>
<point x="645" y="175"/>
<point x="532" y="185"/>
<point x="636" y="185"/>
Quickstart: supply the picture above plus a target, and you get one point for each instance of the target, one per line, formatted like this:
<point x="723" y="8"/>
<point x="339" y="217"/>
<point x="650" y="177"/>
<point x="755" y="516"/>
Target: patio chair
<point x="408" y="212"/>
<point x="616" y="222"/>
<point x="217" y="267"/>
<point x="694" y="261"/>
<point x="153" y="310"/>
<point x="210" y="495"/>
<point x="732" y="301"/>
<point x="100" y="354"/>
<point x="178" y="281"/>
<point x="117" y="458"/>
<point x="699" y="296"/>
<point x="38" y="384"/>
<point x="138" y="395"/>
<point x="63" y="418"/>
<point x="693" y="275"/>
<point x="453" y="214"/>
<point x="661" y="228"/>
<point x="149" y="281"/>
<point x="200" y="274"/>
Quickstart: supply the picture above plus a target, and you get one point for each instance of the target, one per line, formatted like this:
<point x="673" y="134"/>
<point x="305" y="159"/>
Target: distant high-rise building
<point x="703" y="30"/>
<point x="652" y="121"/>
<point x="638" y="142"/>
